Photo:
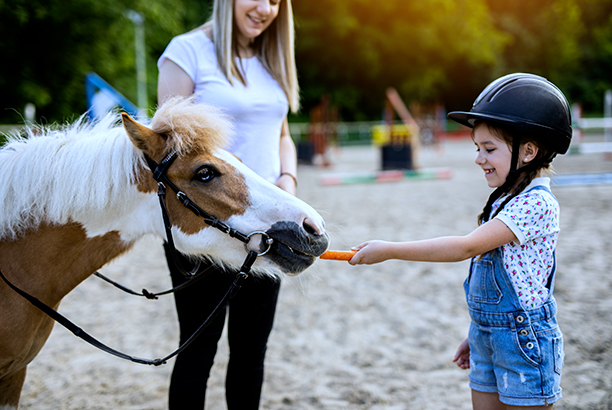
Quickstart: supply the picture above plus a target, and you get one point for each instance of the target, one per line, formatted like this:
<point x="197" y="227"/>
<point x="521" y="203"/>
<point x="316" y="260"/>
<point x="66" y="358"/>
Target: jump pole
<point x="385" y="176"/>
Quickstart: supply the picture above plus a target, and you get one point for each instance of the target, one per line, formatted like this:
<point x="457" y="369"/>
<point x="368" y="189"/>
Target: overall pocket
<point x="481" y="285"/>
<point x="558" y="353"/>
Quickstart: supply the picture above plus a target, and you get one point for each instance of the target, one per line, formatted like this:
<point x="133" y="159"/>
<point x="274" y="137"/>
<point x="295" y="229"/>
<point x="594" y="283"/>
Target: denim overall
<point x="515" y="352"/>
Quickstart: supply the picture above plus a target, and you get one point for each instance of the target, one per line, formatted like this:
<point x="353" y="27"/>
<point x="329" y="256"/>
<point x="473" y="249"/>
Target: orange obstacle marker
<point x="338" y="255"/>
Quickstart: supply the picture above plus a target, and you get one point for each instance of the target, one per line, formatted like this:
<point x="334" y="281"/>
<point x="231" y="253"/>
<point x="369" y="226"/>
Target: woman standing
<point x="242" y="61"/>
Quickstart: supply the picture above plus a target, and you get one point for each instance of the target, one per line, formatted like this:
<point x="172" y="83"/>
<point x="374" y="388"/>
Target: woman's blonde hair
<point x="274" y="47"/>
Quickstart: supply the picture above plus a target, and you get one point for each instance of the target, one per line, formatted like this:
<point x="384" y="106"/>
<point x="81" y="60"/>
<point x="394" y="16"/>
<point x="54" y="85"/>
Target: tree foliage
<point x="352" y="50"/>
<point x="362" y="47"/>
<point x="447" y="50"/>
<point x="49" y="45"/>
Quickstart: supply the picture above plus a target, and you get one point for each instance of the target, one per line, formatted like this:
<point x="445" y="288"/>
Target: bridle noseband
<point x="159" y="172"/>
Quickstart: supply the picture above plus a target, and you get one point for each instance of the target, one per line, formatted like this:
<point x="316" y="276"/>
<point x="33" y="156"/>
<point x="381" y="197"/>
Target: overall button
<point x="529" y="345"/>
<point x="520" y="319"/>
<point x="524" y="332"/>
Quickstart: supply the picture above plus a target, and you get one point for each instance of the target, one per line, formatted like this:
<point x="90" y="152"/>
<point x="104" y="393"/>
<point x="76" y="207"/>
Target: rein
<point x="80" y="333"/>
<point x="159" y="174"/>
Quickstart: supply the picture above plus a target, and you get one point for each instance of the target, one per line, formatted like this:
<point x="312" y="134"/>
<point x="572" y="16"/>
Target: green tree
<point x="49" y="45"/>
<point x="445" y="50"/>
<point x="352" y="50"/>
<point x="591" y="77"/>
<point x="355" y="50"/>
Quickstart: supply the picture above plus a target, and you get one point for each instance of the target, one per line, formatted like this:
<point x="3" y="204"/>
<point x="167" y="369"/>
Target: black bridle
<point x="159" y="174"/>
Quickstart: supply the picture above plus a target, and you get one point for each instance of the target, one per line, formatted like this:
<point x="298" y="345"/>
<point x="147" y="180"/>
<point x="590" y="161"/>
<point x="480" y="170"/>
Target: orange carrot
<point x="338" y="255"/>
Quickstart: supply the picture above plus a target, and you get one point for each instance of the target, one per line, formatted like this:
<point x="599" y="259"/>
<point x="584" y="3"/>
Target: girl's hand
<point x="462" y="357"/>
<point x="370" y="252"/>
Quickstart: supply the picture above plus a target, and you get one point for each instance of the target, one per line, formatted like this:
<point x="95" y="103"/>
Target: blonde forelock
<point x="190" y="126"/>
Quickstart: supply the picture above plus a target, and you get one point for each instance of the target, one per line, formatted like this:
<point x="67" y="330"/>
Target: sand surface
<point x="368" y="337"/>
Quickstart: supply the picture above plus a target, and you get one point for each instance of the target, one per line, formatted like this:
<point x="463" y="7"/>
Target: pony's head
<point x="218" y="183"/>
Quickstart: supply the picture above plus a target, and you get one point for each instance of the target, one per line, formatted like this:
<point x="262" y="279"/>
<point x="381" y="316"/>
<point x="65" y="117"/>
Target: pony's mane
<point x="48" y="174"/>
<point x="83" y="170"/>
<point x="191" y="126"/>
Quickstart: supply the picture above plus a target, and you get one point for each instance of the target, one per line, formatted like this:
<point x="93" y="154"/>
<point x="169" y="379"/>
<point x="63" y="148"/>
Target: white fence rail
<point x="590" y="123"/>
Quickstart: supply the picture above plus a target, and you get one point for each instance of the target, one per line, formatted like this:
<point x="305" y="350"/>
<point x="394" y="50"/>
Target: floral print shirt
<point x="533" y="217"/>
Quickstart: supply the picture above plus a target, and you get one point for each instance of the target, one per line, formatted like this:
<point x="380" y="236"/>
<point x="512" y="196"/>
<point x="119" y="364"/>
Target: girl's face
<point x="253" y="17"/>
<point x="494" y="155"/>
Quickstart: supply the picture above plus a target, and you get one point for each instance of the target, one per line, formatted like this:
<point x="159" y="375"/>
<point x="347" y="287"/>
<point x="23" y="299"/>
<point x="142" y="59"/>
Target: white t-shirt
<point x="533" y="217"/>
<point x="257" y="110"/>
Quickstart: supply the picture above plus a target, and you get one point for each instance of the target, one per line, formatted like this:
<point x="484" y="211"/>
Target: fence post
<point x="608" y="115"/>
<point x="141" y="68"/>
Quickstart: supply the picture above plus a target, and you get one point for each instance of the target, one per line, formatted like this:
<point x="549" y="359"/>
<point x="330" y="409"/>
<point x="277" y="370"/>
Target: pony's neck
<point x="52" y="260"/>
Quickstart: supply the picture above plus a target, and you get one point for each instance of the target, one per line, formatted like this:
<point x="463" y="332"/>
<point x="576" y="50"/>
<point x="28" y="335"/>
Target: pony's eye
<point x="206" y="174"/>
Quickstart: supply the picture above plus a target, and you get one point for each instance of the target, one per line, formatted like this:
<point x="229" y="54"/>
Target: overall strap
<point x="541" y="188"/>
<point x="550" y="284"/>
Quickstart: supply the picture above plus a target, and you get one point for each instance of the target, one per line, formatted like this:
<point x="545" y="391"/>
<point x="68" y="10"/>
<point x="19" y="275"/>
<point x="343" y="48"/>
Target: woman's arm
<point x="288" y="159"/>
<point x="485" y="238"/>
<point x="173" y="81"/>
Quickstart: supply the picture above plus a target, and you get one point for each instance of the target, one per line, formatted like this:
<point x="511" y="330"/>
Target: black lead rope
<point x="77" y="331"/>
<point x="153" y="296"/>
<point x="80" y="333"/>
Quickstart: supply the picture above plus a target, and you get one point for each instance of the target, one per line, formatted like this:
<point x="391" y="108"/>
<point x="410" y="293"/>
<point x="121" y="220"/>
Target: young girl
<point x="241" y="61"/>
<point x="514" y="347"/>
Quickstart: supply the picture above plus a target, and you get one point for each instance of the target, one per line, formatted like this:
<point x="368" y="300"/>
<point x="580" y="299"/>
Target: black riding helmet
<point x="527" y="103"/>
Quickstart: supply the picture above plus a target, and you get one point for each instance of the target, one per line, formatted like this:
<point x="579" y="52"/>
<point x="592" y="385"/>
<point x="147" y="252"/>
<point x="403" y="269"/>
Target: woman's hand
<point x="462" y="357"/>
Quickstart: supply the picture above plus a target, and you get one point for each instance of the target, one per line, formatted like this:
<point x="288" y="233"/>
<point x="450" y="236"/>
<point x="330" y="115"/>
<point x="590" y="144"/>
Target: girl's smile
<point x="494" y="155"/>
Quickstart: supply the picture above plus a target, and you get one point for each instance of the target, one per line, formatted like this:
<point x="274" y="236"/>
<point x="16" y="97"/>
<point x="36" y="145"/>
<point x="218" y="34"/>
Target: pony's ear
<point x="145" y="139"/>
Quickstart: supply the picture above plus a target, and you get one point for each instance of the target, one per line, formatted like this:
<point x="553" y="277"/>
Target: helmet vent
<point x="492" y="90"/>
<point x="502" y="87"/>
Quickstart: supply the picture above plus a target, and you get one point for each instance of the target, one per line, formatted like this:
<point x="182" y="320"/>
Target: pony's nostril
<point x="310" y="228"/>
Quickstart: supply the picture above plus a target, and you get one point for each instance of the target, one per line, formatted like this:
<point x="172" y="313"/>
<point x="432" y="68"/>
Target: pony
<point x="75" y="197"/>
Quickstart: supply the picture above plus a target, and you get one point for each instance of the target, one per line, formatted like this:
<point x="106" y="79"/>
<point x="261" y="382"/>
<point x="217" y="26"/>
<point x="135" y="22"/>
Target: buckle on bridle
<point x="182" y="198"/>
<point x="266" y="240"/>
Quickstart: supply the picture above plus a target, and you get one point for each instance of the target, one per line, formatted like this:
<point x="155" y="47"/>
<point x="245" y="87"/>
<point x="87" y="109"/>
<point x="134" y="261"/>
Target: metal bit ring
<point x="266" y="239"/>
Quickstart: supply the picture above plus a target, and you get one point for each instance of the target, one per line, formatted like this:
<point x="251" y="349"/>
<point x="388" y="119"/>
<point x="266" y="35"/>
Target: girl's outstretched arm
<point x="486" y="237"/>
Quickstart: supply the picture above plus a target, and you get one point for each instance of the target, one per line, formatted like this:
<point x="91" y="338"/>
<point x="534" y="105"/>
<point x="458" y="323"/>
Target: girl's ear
<point x="528" y="152"/>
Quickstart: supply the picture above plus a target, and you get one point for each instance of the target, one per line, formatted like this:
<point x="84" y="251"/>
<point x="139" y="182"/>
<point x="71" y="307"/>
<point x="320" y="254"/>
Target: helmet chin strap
<point x="514" y="173"/>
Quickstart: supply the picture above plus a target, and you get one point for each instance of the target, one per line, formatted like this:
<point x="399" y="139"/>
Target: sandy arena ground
<point x="372" y="337"/>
